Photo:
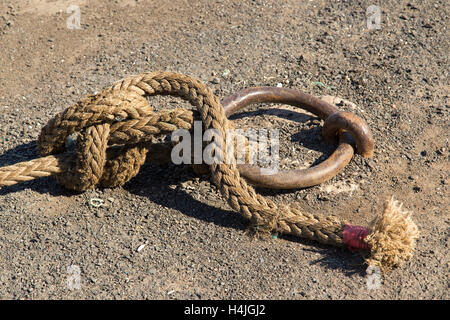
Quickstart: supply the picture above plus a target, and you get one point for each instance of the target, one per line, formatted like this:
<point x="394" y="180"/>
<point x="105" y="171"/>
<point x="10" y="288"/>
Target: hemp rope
<point x="121" y="115"/>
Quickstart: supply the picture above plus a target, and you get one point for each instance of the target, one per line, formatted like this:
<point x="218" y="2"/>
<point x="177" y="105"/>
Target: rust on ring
<point x="344" y="125"/>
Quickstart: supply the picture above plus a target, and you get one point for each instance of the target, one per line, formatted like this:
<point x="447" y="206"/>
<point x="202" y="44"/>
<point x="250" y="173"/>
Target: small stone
<point x="215" y="80"/>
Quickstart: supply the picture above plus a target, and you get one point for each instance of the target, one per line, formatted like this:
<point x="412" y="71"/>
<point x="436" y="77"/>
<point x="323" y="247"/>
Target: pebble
<point x="215" y="80"/>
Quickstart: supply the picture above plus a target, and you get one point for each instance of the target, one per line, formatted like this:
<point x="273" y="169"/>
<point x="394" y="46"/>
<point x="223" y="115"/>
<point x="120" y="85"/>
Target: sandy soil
<point x="195" y="246"/>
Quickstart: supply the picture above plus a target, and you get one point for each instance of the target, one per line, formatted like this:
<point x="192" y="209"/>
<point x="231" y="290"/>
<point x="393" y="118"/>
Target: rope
<point x="121" y="115"/>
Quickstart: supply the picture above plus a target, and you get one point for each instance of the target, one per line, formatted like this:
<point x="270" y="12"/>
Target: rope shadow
<point x="178" y="199"/>
<point x="338" y="259"/>
<point x="334" y="258"/>
<point x="22" y="152"/>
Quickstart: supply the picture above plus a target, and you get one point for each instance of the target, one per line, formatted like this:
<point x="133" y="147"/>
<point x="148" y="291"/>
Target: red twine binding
<point x="354" y="237"/>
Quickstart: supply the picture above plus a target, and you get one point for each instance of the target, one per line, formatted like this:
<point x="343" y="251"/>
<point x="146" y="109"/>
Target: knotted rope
<point x="121" y="118"/>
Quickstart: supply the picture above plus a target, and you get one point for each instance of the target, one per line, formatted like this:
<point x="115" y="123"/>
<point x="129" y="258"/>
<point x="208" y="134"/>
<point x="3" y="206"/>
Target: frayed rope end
<point x="393" y="236"/>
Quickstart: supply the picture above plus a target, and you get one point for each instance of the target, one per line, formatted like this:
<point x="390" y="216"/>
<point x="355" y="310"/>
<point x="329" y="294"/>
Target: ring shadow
<point x="310" y="138"/>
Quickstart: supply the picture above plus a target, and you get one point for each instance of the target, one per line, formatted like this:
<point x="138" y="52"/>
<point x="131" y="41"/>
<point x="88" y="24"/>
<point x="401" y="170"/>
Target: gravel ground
<point x="195" y="246"/>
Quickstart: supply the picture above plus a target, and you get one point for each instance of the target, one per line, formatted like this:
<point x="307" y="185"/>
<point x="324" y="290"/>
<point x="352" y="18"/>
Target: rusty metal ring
<point x="337" y="123"/>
